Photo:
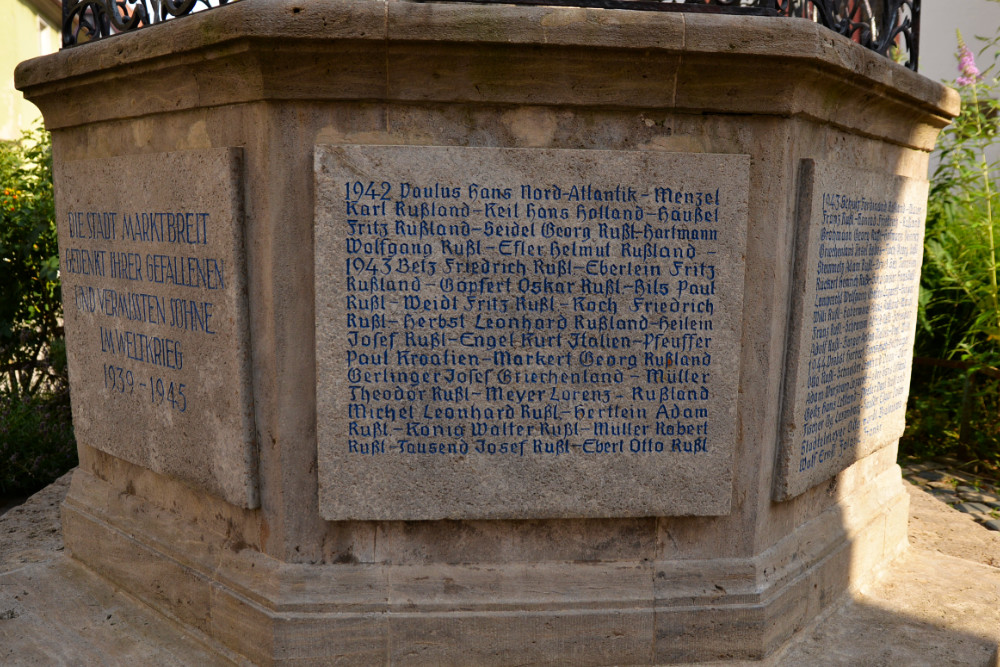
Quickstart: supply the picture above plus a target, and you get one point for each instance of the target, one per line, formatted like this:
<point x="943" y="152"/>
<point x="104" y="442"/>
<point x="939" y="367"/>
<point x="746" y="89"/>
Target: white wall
<point x="939" y="20"/>
<point x="938" y="42"/>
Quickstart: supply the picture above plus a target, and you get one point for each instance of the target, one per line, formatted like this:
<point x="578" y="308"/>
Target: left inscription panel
<point x="151" y="255"/>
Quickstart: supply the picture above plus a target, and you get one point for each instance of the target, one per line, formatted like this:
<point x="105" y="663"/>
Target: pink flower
<point x="970" y="74"/>
<point x="967" y="66"/>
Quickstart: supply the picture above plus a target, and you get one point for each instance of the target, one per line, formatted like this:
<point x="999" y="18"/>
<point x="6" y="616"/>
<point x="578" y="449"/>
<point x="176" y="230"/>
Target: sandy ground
<point x="939" y="604"/>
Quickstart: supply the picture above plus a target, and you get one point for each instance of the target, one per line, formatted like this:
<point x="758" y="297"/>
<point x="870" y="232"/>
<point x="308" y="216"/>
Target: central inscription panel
<point x="527" y="333"/>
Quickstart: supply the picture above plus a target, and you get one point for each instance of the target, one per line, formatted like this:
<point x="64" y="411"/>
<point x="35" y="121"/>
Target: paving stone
<point x="930" y="476"/>
<point x="944" y="495"/>
<point x="920" y="467"/>
<point x="10" y="502"/>
<point x="936" y="486"/>
<point x="993" y="524"/>
<point x="966" y="489"/>
<point x="983" y="498"/>
<point x="973" y="508"/>
<point x="946" y="485"/>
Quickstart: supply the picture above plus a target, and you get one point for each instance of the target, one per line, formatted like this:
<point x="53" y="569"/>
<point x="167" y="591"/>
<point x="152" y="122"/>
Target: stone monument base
<point x="72" y="614"/>
<point x="218" y="480"/>
<point x="198" y="569"/>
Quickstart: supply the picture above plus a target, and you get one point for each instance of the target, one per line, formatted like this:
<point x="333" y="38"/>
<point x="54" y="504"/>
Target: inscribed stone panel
<point x="527" y="333"/>
<point x="857" y="274"/>
<point x="152" y="264"/>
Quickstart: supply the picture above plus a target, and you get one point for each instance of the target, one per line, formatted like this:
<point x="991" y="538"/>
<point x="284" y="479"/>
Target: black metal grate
<point x="888" y="27"/>
<point x="88" y="20"/>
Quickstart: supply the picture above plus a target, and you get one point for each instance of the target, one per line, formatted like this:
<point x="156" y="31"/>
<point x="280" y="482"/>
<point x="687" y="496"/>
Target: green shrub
<point x="36" y="432"/>
<point x="953" y="412"/>
<point x="32" y="355"/>
<point x="954" y="403"/>
<point x="960" y="297"/>
<point x="36" y="441"/>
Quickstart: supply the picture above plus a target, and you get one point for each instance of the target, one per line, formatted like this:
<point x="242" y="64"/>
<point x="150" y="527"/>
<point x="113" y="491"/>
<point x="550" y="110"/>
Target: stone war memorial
<point x="444" y="333"/>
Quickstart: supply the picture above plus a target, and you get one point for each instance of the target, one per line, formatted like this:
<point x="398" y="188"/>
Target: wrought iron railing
<point x="89" y="20"/>
<point x="888" y="27"/>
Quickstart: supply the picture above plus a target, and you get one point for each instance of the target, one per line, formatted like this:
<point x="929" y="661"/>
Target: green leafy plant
<point x="32" y="355"/>
<point x="36" y="441"/>
<point x="36" y="432"/>
<point x="960" y="299"/>
<point x="955" y="400"/>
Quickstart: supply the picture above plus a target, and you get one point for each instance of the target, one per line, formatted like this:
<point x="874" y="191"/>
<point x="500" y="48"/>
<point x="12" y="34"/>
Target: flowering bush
<point x="960" y="312"/>
<point x="36" y="433"/>
<point x="970" y="74"/>
<point x="955" y="404"/>
<point x="32" y="355"/>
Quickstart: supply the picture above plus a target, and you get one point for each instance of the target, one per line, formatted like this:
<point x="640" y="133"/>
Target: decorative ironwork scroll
<point x="888" y="27"/>
<point x="751" y="7"/>
<point x="97" y="19"/>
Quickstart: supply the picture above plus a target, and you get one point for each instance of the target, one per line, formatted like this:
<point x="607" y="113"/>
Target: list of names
<point x="501" y="314"/>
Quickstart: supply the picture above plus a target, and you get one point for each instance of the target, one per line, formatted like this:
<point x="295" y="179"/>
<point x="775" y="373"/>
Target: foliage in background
<point x="32" y="355"/>
<point x="953" y="412"/>
<point x="960" y="313"/>
<point x="954" y="406"/>
<point x="36" y="441"/>
<point x="36" y="433"/>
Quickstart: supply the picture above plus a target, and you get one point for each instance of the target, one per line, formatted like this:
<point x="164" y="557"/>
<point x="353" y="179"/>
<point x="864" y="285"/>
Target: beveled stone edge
<point x="676" y="583"/>
<point x="382" y="22"/>
<point x="260" y="607"/>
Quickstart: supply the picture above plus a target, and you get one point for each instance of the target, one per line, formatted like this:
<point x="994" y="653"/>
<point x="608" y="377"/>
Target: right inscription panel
<point x="858" y="255"/>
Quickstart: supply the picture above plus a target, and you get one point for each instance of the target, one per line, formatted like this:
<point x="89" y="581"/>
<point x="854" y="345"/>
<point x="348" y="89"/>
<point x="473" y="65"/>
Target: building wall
<point x="27" y="34"/>
<point x="938" y="41"/>
<point x="940" y="19"/>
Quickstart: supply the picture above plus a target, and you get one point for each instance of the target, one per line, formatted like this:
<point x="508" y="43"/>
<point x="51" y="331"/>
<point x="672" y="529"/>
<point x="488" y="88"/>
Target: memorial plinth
<point x="416" y="333"/>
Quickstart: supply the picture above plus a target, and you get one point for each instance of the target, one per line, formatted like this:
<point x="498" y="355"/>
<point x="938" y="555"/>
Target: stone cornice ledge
<point x="681" y="52"/>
